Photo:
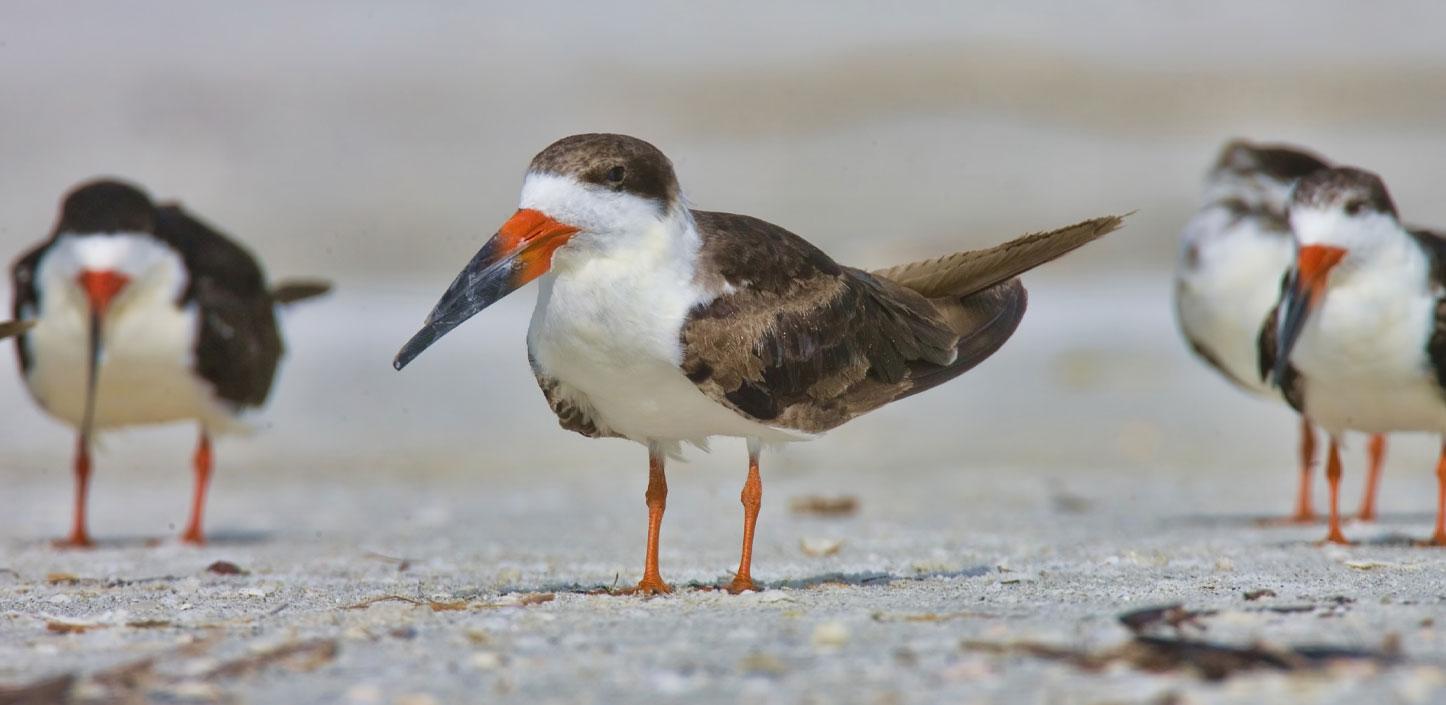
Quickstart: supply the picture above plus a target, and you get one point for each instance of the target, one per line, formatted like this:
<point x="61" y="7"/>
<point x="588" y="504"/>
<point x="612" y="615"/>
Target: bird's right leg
<point x="1304" y="513"/>
<point x="1333" y="476"/>
<point x="657" y="500"/>
<point x="79" y="537"/>
<point x="194" y="534"/>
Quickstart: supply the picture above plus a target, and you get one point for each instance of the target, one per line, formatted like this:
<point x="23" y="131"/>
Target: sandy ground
<point x="1089" y="470"/>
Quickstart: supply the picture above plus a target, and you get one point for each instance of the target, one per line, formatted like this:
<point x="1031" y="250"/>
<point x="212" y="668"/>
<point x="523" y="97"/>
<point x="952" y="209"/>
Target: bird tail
<point x="13" y="328"/>
<point x="295" y="290"/>
<point x="964" y="273"/>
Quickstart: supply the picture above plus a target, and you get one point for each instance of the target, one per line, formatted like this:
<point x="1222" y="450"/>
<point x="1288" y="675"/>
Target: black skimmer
<point x="1358" y="340"/>
<point x="1235" y="251"/>
<point x="663" y="325"/>
<point x="139" y="313"/>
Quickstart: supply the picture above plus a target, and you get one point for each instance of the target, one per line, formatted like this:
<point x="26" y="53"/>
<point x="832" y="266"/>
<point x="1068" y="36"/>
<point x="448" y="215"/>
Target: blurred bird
<point x="139" y="314"/>
<point x="1234" y="253"/>
<point x="662" y="324"/>
<point x="1358" y="340"/>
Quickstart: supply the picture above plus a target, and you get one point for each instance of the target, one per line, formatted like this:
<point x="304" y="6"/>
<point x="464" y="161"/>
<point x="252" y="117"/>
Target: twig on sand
<point x="296" y="656"/>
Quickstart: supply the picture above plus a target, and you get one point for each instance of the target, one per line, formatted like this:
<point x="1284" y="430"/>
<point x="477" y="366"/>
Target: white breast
<point x="146" y="374"/>
<point x="607" y="328"/>
<point x="1363" y="352"/>
<point x="1226" y="284"/>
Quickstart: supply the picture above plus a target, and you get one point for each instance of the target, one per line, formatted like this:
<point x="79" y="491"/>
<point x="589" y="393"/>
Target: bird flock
<point x="1297" y="280"/>
<point x="666" y="325"/>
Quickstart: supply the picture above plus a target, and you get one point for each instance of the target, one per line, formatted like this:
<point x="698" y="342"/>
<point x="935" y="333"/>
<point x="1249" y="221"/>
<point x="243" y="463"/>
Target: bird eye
<point x="616" y="174"/>
<point x="1354" y="206"/>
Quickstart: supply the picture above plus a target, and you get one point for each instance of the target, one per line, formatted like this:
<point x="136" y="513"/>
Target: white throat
<point x="608" y="325"/>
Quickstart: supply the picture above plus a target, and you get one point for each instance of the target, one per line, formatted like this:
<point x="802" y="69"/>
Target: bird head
<point x="583" y="196"/>
<point x="1341" y="218"/>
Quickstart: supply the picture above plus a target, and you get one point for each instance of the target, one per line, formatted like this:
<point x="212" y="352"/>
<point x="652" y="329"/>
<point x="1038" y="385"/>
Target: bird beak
<point x="101" y="288"/>
<point x="1303" y="292"/>
<point x="520" y="252"/>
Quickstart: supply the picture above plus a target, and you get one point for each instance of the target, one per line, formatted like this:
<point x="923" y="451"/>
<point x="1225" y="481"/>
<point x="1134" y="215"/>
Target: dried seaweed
<point x="43" y="692"/>
<point x="1209" y="660"/>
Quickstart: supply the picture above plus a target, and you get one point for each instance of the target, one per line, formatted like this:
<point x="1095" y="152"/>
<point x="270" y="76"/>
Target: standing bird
<point x="1235" y="250"/>
<point x="142" y="314"/>
<point x="661" y="324"/>
<point x="1358" y="340"/>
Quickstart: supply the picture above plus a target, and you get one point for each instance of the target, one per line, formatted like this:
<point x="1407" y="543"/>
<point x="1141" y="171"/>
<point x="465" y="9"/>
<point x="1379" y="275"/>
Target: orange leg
<point x="193" y="534"/>
<point x="657" y="499"/>
<point x="1377" y="451"/>
<point x="1333" y="475"/>
<point x="752" y="498"/>
<point x="79" y="537"/>
<point x="1438" y="538"/>
<point x="1303" y="511"/>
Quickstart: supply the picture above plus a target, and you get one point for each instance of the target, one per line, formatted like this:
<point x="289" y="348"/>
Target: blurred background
<point x="379" y="144"/>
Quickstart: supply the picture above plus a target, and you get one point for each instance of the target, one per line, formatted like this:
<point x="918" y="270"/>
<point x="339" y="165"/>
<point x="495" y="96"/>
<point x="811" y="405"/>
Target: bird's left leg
<point x="1438" y="538"/>
<point x="752" y="498"/>
<point x="202" y="461"/>
<point x="1377" y="453"/>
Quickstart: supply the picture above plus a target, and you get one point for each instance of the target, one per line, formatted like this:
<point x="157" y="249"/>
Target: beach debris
<point x="512" y="600"/>
<point x="1174" y="616"/>
<point x="384" y="598"/>
<point x="62" y="627"/>
<point x="524" y="599"/>
<point x="67" y="578"/>
<point x="225" y="568"/>
<point x="1210" y="660"/>
<point x="402" y="564"/>
<point x="927" y="616"/>
<point x="1253" y="595"/>
<point x="1369" y="565"/>
<point x="818" y="547"/>
<point x="42" y="692"/>
<point x="815" y="505"/>
<point x="486" y="660"/>
<point x="830" y="636"/>
<point x="761" y="663"/>
<point x="301" y="656"/>
<point x="142" y="680"/>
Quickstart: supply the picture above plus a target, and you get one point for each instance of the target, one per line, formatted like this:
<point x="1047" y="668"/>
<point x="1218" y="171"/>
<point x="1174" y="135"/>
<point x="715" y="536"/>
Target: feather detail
<point x="964" y="273"/>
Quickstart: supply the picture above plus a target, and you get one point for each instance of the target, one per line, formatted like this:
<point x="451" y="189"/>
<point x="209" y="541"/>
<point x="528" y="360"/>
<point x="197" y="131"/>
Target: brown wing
<point x="1292" y="385"/>
<point x="1434" y="245"/>
<point x="27" y="297"/>
<point x="797" y="341"/>
<point x="238" y="345"/>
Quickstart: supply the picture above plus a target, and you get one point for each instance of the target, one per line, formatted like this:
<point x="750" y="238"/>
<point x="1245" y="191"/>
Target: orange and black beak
<point x="101" y="288"/>
<point x="1303" y="293"/>
<point x="520" y="252"/>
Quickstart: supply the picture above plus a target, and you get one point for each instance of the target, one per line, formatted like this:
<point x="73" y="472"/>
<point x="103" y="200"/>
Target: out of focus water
<point x="380" y="143"/>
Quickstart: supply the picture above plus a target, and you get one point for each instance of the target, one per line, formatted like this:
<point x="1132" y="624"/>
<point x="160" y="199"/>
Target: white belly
<point x="1363" y="355"/>
<point x="145" y="374"/>
<point x="609" y="333"/>
<point x="1225" y="291"/>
